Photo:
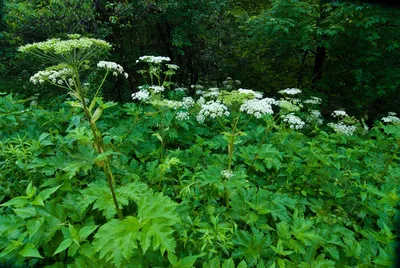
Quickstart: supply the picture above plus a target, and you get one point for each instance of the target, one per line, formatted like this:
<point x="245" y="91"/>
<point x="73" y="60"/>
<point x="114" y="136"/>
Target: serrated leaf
<point x="30" y="251"/>
<point x="117" y="234"/>
<point x="66" y="243"/>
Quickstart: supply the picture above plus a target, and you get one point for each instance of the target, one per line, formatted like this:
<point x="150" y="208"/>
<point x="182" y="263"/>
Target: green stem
<point x="98" y="141"/>
<point x="231" y="144"/>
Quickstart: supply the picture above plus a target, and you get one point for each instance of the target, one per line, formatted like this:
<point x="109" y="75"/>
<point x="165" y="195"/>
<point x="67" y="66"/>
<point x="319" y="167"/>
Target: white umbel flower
<point x="315" y="117"/>
<point x="343" y="128"/>
<point x="173" y="66"/>
<point x="187" y="102"/>
<point x="257" y="95"/>
<point x="182" y="116"/>
<point x="257" y="107"/>
<point x="293" y="121"/>
<point x="290" y="91"/>
<point x="313" y="100"/>
<point x="212" y="109"/>
<point x="57" y="77"/>
<point x="157" y="89"/>
<point x="141" y="95"/>
<point x="153" y="59"/>
<point x="391" y="118"/>
<point x="339" y="113"/>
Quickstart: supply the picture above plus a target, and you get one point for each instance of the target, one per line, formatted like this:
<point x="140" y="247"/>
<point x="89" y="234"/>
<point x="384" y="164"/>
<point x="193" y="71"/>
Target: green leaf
<point x="117" y="234"/>
<point x="63" y="246"/>
<point x="33" y="226"/>
<point x="45" y="194"/>
<point x="228" y="264"/>
<point x="172" y="258"/>
<point x="25" y="212"/>
<point x="85" y="231"/>
<point x="19" y="201"/>
<point x="242" y="264"/>
<point x="30" y="251"/>
<point x="30" y="190"/>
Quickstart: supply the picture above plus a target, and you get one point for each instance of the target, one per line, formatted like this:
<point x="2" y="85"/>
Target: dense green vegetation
<point x="152" y="164"/>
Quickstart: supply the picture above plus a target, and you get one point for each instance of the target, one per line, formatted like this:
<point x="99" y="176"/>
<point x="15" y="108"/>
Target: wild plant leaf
<point x="118" y="234"/>
<point x="29" y="251"/>
<point x="33" y="225"/>
<point x="19" y="201"/>
<point x="157" y="214"/>
<point x="66" y="243"/>
<point x="25" y="212"/>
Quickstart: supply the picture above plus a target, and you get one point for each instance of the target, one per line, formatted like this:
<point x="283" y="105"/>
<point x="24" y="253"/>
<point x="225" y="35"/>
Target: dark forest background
<point x="346" y="52"/>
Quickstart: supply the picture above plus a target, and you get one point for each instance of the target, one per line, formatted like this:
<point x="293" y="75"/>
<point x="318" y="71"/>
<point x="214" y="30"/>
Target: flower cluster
<point x="187" y="102"/>
<point x="257" y="107"/>
<point x="182" y="116"/>
<point x="173" y="66"/>
<point x="257" y="95"/>
<point x="60" y="77"/>
<point x="288" y="105"/>
<point x="339" y="113"/>
<point x="212" y="109"/>
<point x="293" y="121"/>
<point x="227" y="174"/>
<point x="342" y="128"/>
<point x="290" y="91"/>
<point x="58" y="46"/>
<point x="153" y="59"/>
<point x="391" y="118"/>
<point x="113" y="67"/>
<point x="141" y="95"/>
<point x="313" y="100"/>
<point x="211" y="93"/>
<point x="315" y="117"/>
<point x="157" y="89"/>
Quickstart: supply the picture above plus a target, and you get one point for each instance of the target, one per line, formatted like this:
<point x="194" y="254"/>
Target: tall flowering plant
<point x="72" y="57"/>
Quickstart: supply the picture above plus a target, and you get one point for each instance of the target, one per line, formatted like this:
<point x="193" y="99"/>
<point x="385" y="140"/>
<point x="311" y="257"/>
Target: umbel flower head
<point x="71" y="51"/>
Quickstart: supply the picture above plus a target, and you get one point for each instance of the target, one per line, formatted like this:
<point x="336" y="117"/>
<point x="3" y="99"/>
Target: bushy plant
<point x="224" y="178"/>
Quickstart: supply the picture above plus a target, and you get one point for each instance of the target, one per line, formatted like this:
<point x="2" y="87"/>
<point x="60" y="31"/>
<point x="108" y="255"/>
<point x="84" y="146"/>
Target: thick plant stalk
<point x="98" y="142"/>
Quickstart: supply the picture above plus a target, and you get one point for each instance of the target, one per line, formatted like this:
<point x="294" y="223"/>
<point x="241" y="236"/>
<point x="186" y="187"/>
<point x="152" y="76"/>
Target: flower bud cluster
<point x="293" y="121"/>
<point x="257" y="107"/>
